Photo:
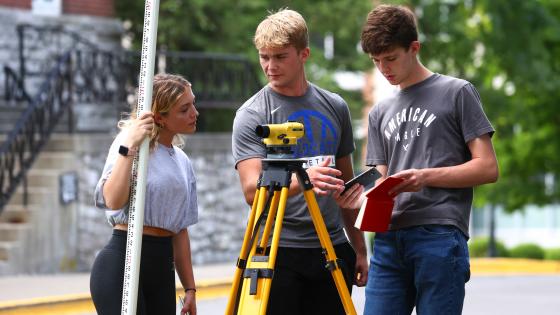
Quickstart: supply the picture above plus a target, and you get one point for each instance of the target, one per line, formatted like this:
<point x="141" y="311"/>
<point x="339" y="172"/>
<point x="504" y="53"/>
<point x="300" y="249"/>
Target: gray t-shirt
<point x="171" y="201"/>
<point x="328" y="133"/>
<point x="428" y="125"/>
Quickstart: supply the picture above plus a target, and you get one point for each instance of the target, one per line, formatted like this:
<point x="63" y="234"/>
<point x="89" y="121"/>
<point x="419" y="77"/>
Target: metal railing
<point x="219" y="80"/>
<point x="33" y="129"/>
<point x="13" y="87"/>
<point x="70" y="69"/>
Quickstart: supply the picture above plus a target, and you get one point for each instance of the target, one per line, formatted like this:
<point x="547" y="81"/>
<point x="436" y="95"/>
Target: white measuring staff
<point x="140" y="164"/>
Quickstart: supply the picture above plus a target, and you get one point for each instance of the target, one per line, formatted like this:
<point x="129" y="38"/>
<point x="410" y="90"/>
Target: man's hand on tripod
<point x="325" y="179"/>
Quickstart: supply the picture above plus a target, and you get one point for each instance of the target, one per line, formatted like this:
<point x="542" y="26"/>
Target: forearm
<point x="182" y="257"/>
<point x="355" y="235"/>
<point x="472" y="173"/>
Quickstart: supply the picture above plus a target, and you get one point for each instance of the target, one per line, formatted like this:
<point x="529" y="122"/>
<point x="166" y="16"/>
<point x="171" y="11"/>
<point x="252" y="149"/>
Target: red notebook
<point x="375" y="213"/>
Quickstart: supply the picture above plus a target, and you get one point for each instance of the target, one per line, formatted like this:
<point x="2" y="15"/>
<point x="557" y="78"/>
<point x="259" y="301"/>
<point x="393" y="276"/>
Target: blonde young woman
<point x="171" y="205"/>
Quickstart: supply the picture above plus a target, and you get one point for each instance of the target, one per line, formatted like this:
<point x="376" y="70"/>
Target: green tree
<point x="509" y="49"/>
<point x="228" y="27"/>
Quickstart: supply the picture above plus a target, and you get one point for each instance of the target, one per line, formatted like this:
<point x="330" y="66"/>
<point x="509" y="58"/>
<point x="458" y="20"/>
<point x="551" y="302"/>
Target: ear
<point x="158" y="118"/>
<point x="304" y="53"/>
<point x="415" y="47"/>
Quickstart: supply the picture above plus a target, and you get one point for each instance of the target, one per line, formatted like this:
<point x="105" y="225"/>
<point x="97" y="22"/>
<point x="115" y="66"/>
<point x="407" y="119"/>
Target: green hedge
<point x="478" y="247"/>
<point x="527" y="250"/>
<point x="552" y="254"/>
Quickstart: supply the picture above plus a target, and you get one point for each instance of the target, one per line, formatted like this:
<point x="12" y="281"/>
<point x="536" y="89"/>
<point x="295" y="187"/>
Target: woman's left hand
<point x="189" y="308"/>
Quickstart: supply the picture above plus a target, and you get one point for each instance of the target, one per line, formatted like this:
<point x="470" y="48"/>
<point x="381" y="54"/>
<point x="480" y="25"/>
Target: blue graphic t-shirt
<point x="328" y="133"/>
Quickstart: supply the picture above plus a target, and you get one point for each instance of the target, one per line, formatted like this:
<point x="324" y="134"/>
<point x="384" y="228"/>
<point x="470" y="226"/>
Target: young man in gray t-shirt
<point x="433" y="134"/>
<point x="301" y="283"/>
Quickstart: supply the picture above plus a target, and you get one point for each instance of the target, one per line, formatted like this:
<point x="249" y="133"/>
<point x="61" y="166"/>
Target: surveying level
<point x="255" y="266"/>
<point x="280" y="138"/>
<point x="280" y="134"/>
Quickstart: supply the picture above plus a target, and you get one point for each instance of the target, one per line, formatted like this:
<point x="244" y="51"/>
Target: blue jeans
<point x="424" y="266"/>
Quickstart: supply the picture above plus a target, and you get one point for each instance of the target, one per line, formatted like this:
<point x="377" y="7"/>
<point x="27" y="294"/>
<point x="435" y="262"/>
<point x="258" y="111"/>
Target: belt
<point x="147" y="230"/>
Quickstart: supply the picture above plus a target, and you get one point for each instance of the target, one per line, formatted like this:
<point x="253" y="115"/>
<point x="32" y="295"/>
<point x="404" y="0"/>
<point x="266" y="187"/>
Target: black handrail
<point x="13" y="87"/>
<point x="84" y="73"/>
<point x="220" y="80"/>
<point x="34" y="127"/>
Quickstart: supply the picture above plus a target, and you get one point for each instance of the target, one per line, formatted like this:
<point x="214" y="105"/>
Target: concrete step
<point x="12" y="231"/>
<point x="17" y="213"/>
<point x="43" y="177"/>
<point x="62" y="161"/>
<point x="35" y="195"/>
<point x="60" y="142"/>
<point x="66" y="142"/>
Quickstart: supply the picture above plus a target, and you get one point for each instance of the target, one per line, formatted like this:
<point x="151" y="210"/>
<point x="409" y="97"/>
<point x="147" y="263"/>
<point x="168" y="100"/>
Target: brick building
<point x="102" y="8"/>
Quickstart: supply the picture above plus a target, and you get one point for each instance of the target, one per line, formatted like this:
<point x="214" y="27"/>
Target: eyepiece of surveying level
<point x="280" y="134"/>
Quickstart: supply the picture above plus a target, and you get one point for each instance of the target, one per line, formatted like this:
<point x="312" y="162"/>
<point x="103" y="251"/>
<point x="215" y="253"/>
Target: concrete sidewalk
<point x="17" y="292"/>
<point x="33" y="290"/>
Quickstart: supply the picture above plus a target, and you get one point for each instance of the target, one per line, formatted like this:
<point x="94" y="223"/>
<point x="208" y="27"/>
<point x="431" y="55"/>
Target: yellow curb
<point x="209" y="289"/>
<point x="206" y="289"/>
<point x="32" y="302"/>
<point x="513" y="266"/>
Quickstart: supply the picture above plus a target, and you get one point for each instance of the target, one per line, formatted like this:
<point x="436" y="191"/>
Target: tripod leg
<point x="259" y="272"/>
<point x="260" y="196"/>
<point x="326" y="243"/>
<point x="266" y="231"/>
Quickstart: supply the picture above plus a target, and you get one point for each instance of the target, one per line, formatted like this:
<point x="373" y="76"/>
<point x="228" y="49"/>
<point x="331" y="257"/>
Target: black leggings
<point x="156" y="289"/>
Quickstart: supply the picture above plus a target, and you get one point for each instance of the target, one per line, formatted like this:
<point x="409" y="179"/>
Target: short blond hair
<point x="281" y="29"/>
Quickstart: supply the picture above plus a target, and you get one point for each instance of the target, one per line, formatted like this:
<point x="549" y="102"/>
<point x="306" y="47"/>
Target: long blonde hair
<point x="167" y="90"/>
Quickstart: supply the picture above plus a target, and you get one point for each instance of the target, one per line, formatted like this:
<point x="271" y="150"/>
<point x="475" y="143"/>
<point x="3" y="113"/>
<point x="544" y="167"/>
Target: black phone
<point x="366" y="179"/>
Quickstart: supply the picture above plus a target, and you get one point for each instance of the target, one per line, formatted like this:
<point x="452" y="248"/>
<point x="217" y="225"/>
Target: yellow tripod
<point x="253" y="277"/>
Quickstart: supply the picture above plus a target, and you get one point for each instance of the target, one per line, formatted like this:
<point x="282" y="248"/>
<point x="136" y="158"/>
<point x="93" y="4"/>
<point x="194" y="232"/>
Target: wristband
<point x="126" y="151"/>
<point x="190" y="289"/>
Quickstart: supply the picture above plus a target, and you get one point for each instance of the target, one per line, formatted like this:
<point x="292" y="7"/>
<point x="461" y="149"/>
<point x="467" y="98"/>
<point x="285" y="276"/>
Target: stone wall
<point x="102" y="31"/>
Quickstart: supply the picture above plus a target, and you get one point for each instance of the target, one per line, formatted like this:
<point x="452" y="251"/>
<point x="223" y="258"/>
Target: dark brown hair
<point x="388" y="27"/>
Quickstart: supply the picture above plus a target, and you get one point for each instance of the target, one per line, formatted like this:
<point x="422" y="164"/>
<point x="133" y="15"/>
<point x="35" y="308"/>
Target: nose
<point x="382" y="67"/>
<point x="272" y="64"/>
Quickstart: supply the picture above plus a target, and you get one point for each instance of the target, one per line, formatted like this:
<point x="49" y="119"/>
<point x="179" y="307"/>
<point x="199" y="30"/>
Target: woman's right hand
<point x="139" y="129"/>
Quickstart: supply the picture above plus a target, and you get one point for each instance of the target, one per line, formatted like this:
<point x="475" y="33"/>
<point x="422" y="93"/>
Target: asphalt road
<point x="486" y="295"/>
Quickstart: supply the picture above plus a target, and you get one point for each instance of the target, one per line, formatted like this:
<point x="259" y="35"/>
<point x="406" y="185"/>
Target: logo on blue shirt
<point x="321" y="136"/>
